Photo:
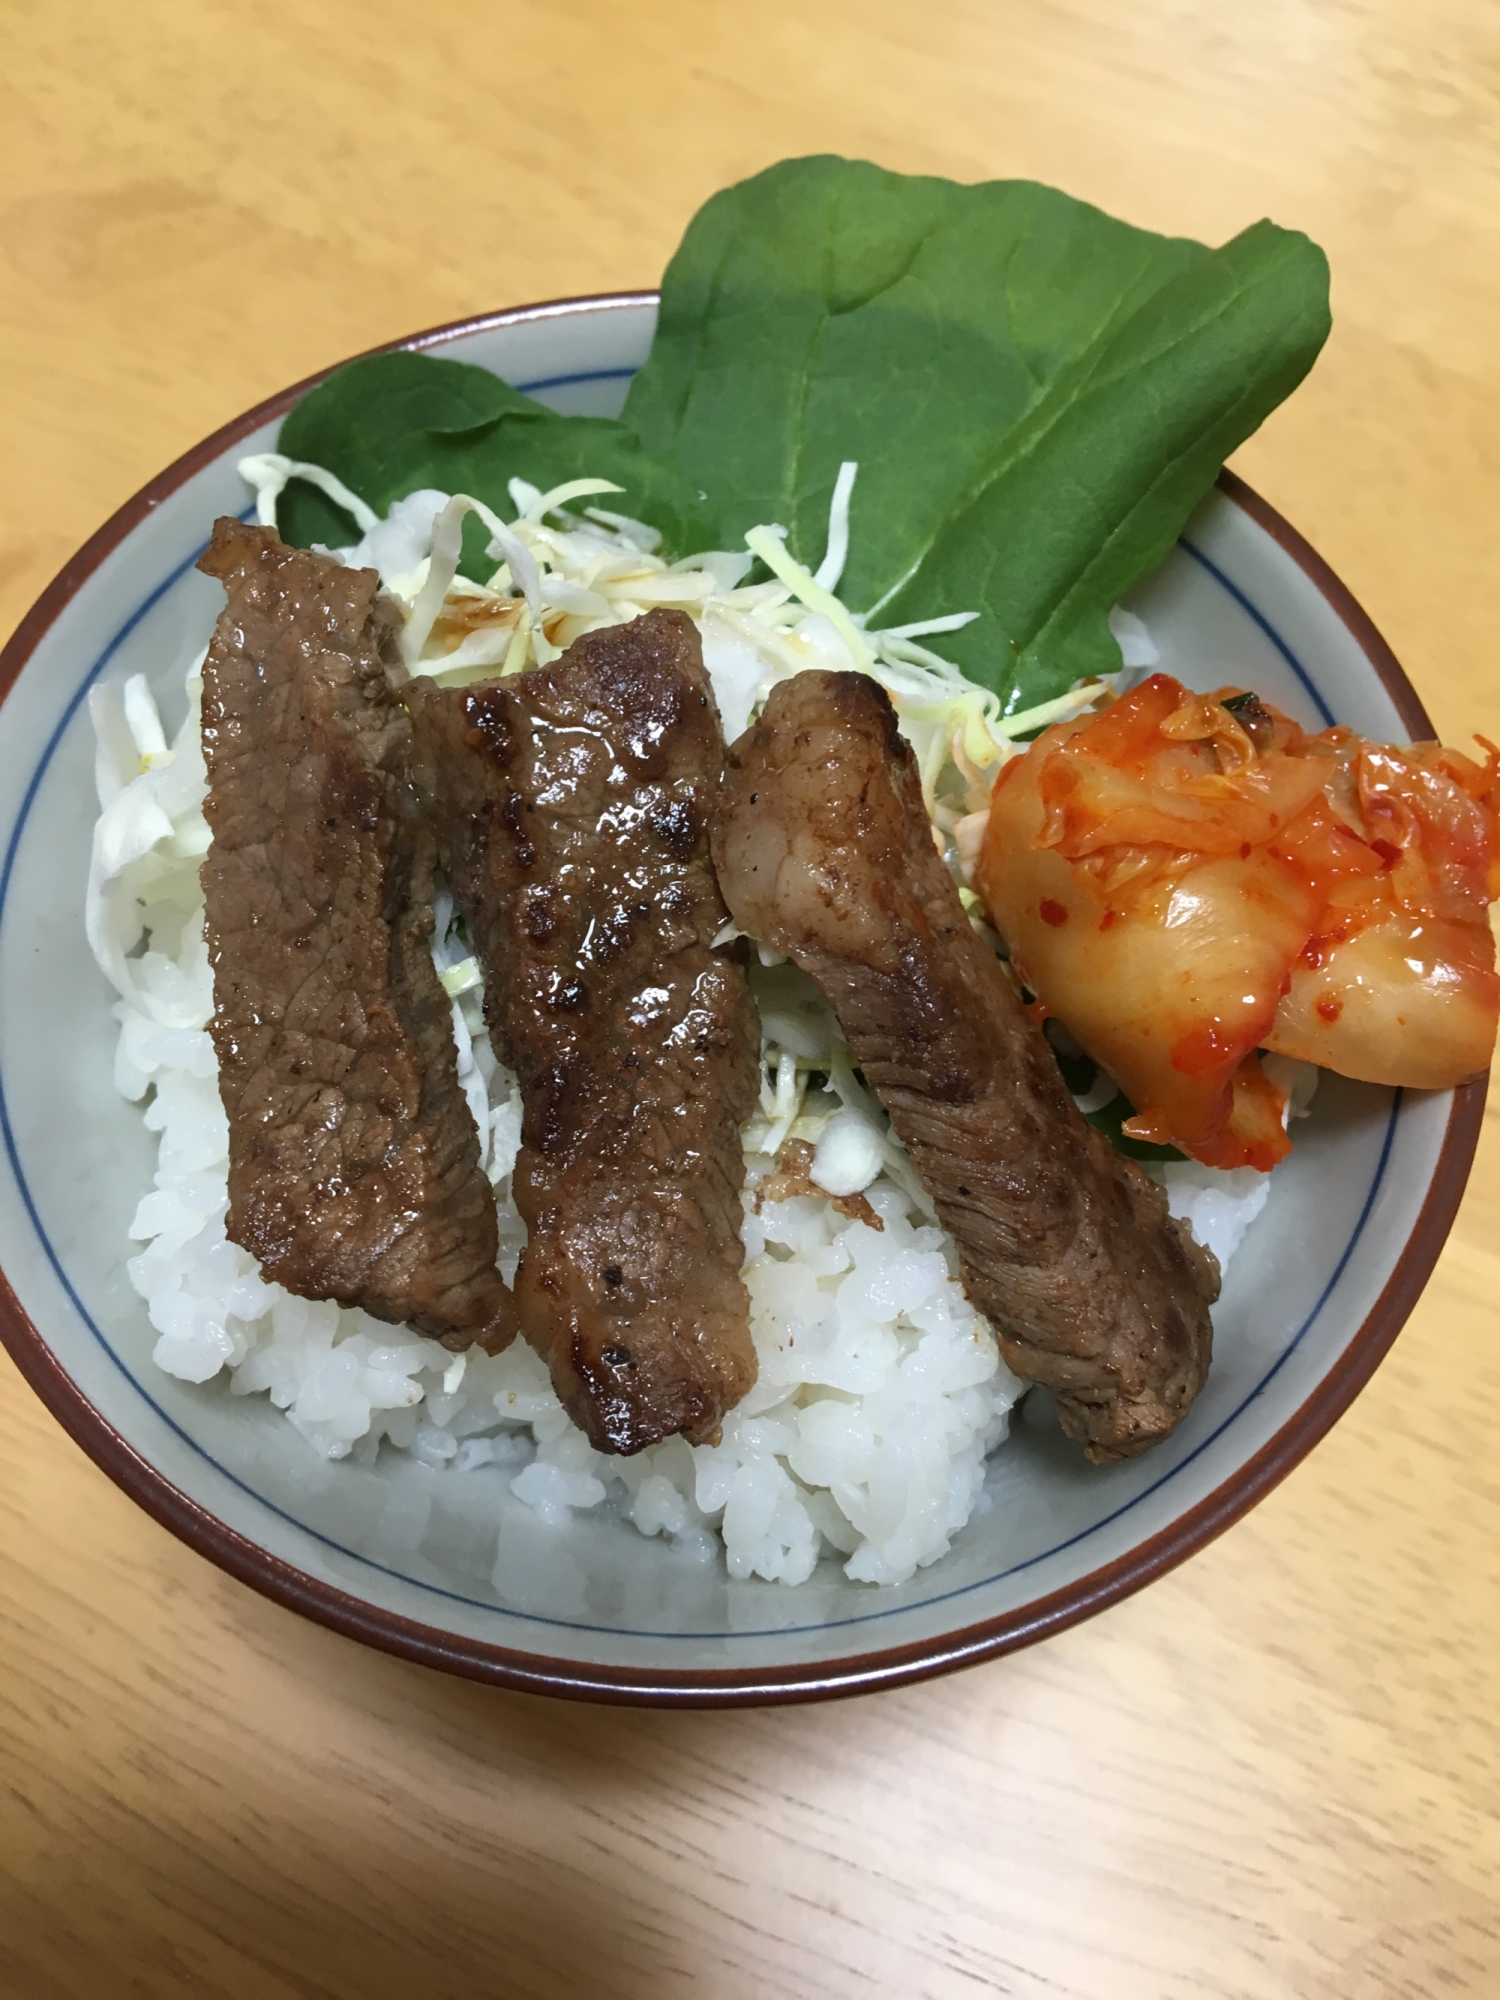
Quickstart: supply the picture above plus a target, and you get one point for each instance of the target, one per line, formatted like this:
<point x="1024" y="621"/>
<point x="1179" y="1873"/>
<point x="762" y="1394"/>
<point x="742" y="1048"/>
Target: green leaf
<point x="1080" y="1073"/>
<point x="392" y="423"/>
<point x="1092" y="489"/>
<point x="1036" y="393"/>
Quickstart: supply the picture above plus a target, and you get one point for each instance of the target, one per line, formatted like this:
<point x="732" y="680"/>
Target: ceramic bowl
<point x="451" y="1569"/>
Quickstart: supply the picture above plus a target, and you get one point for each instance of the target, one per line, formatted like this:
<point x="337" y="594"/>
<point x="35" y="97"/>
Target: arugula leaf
<point x="391" y="423"/>
<point x="1037" y="394"/>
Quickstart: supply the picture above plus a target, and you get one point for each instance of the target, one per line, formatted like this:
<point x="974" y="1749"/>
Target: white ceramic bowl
<point x="450" y="1568"/>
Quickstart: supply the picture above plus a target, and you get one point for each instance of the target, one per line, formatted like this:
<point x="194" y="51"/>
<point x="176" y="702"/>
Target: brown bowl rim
<point x="880" y="1667"/>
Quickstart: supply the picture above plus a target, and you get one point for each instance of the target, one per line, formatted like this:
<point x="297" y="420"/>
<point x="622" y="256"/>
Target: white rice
<point x="880" y="1393"/>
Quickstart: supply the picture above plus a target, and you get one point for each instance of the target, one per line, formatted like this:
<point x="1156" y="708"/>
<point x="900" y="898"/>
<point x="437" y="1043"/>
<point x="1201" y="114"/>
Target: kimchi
<point x="1184" y="880"/>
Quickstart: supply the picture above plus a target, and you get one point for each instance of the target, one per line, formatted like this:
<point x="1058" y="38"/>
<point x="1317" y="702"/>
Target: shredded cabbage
<point x="562" y="572"/>
<point x="150" y="820"/>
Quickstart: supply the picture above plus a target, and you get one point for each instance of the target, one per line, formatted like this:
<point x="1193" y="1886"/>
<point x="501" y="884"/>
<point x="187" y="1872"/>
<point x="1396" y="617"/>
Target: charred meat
<point x="572" y="807"/>
<point x="353" y="1160"/>
<point x="825" y="852"/>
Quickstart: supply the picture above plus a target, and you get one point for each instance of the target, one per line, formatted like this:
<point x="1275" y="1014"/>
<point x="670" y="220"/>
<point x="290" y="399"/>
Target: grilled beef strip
<point x="825" y="852"/>
<point x="353" y="1159"/>
<point x="572" y="806"/>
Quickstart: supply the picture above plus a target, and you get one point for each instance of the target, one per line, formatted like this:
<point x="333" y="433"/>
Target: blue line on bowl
<point x="575" y="1625"/>
<point x="568" y="381"/>
<point x="1265" y="625"/>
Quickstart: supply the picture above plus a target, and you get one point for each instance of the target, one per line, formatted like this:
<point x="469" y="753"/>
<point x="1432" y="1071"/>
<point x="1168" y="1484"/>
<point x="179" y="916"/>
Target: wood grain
<point x="1273" y="1774"/>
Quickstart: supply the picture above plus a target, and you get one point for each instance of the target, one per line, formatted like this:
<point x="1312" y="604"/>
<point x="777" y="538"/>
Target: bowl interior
<point x="452" y="1565"/>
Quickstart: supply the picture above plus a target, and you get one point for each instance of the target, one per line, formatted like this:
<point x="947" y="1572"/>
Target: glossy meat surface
<point x="572" y="807"/>
<point x="354" y="1163"/>
<point x="825" y="852"/>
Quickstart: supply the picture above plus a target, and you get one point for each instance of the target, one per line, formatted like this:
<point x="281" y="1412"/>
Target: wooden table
<point x="1273" y="1774"/>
